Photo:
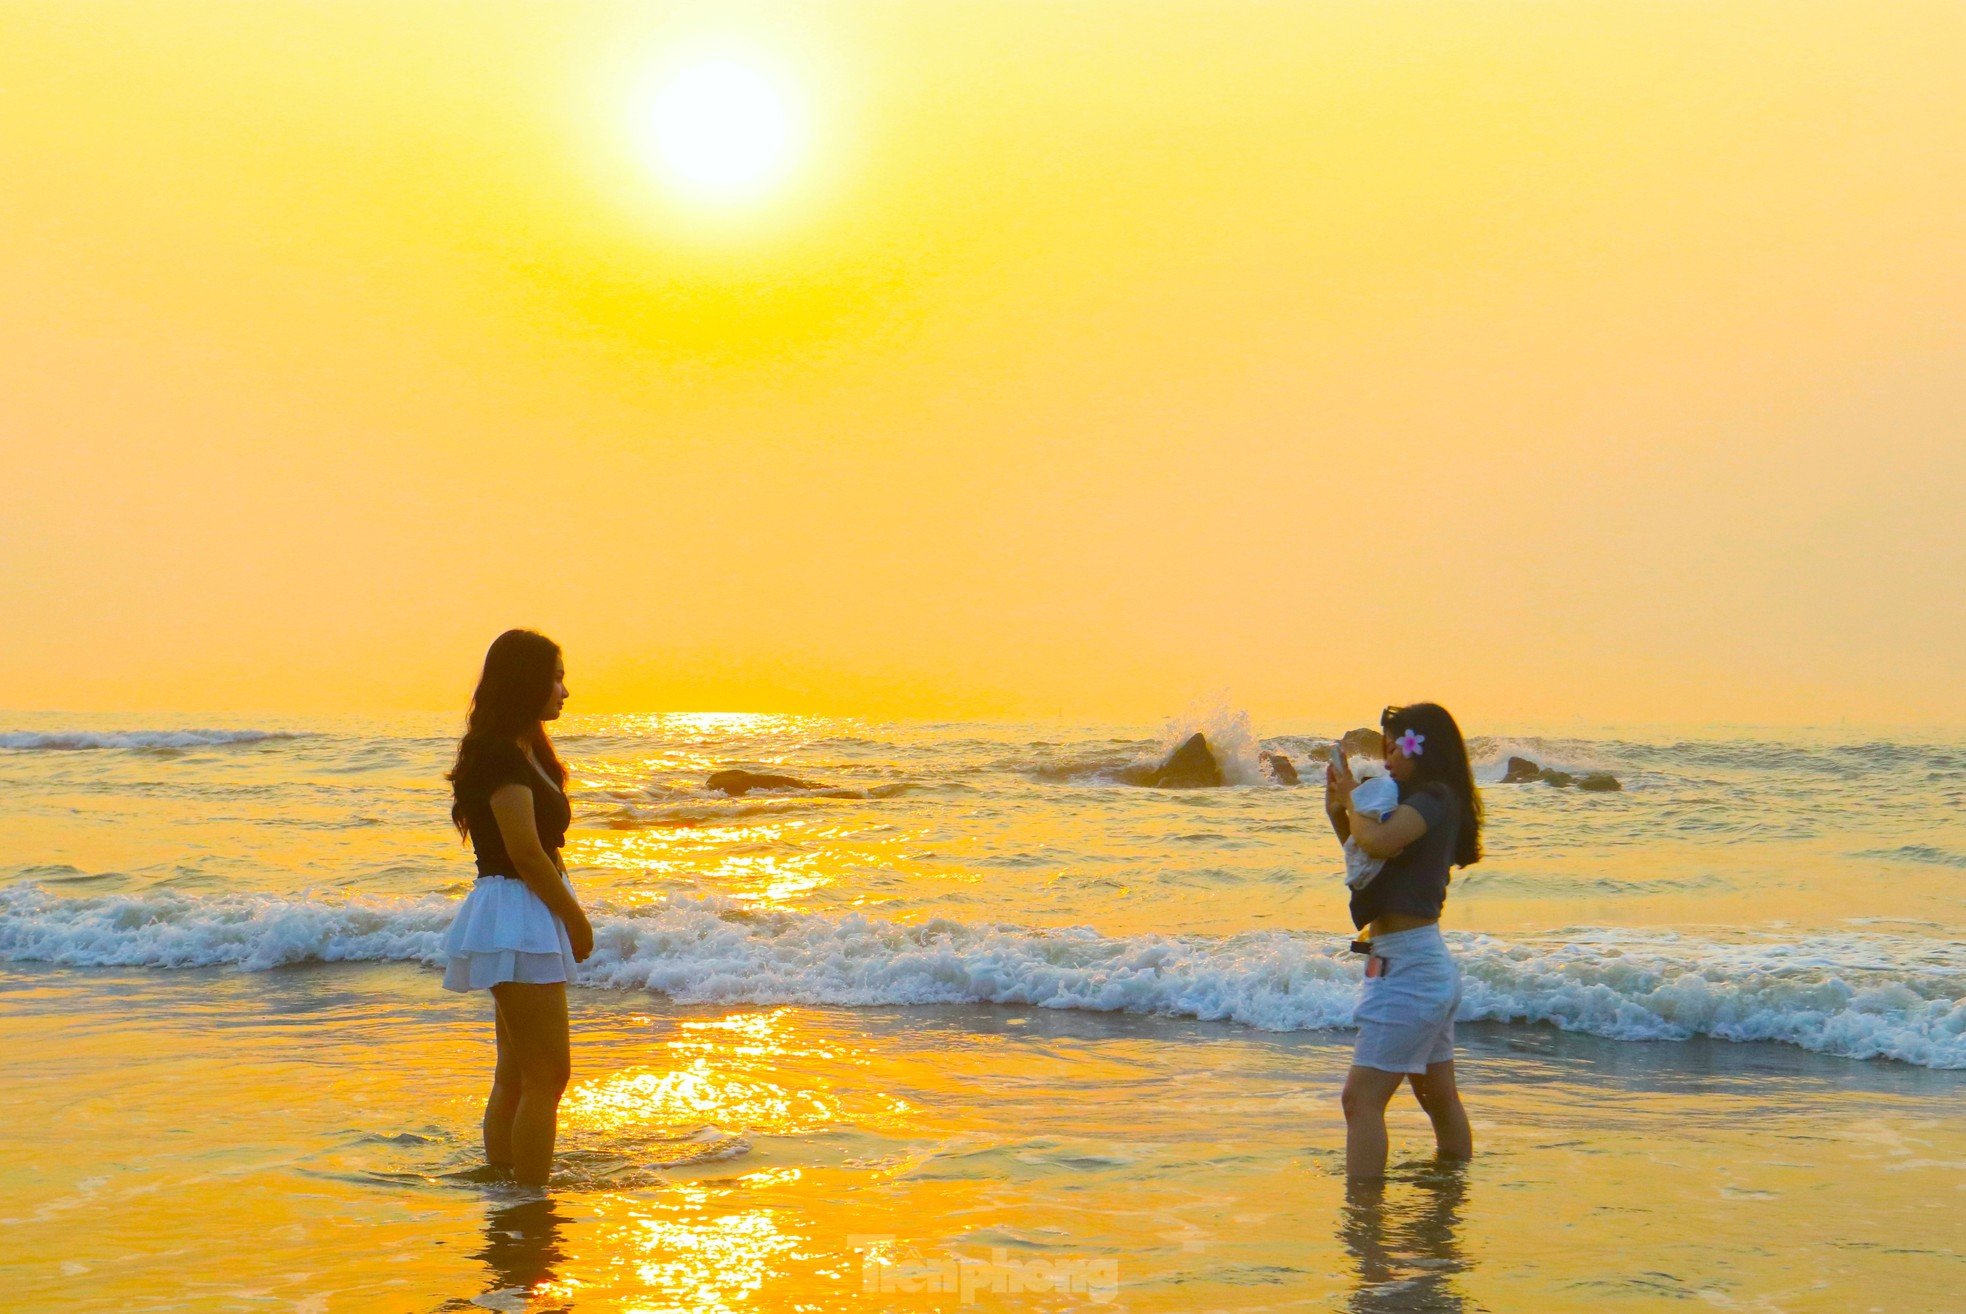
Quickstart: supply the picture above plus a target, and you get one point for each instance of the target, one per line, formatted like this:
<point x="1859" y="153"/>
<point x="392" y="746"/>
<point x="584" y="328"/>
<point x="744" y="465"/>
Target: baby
<point x="1376" y="796"/>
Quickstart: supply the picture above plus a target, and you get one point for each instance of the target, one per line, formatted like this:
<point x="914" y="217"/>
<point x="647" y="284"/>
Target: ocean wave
<point x="1854" y="996"/>
<point x="1232" y="741"/>
<point x="80" y="740"/>
<point x="1489" y="758"/>
<point x="1858" y="996"/>
<point x="162" y="928"/>
<point x="682" y="809"/>
<point x="1926" y="853"/>
<point x="1094" y="768"/>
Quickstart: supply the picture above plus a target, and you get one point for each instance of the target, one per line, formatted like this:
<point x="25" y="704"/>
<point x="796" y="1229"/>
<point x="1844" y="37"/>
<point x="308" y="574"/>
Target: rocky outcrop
<point x="1191" y="766"/>
<point x="739" y="783"/>
<point x="1523" y="771"/>
<point x="1363" y="742"/>
<point x="1282" y="769"/>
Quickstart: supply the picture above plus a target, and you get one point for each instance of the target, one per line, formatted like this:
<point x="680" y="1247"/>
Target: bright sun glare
<point x="720" y="130"/>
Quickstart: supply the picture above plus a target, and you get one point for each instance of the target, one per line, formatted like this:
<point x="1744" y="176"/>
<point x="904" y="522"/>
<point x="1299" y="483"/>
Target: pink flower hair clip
<point x="1410" y="743"/>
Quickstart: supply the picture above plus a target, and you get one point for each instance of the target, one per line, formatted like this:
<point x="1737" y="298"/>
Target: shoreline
<point x="1195" y="1156"/>
<point x="1830" y="992"/>
<point x="1698" y="1053"/>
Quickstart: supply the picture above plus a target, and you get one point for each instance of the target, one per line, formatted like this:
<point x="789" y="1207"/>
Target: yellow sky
<point x="1557" y="361"/>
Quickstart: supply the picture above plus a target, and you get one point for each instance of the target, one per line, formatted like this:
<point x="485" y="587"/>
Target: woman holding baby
<point x="1403" y="847"/>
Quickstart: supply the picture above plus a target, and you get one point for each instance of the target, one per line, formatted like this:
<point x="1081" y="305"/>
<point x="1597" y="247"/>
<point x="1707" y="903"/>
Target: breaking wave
<point x="80" y="740"/>
<point x="1859" y="996"/>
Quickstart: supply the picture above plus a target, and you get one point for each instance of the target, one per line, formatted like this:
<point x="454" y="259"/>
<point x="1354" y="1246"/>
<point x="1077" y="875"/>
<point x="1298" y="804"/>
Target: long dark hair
<point x="1443" y="761"/>
<point x="505" y="707"/>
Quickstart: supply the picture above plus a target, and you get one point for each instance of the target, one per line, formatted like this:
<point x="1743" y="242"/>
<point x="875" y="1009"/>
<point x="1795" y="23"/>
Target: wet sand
<point x="304" y="1139"/>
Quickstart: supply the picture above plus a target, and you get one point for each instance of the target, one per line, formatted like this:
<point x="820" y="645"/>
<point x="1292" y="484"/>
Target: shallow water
<point x="984" y="1017"/>
<point x="304" y="1140"/>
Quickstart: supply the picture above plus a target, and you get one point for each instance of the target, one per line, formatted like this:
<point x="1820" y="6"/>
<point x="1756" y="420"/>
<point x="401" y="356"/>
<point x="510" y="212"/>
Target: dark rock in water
<point x="739" y="783"/>
<point x="1281" y="768"/>
<point x="1191" y="766"/>
<point x="1363" y="742"/>
<point x="1522" y="771"/>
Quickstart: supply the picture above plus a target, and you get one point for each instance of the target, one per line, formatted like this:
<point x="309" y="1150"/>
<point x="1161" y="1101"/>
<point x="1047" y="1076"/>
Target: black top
<point x="1414" y="880"/>
<point x="507" y="765"/>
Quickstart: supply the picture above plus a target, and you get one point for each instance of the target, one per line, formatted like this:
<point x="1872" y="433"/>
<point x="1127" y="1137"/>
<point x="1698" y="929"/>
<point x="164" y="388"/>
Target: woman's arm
<point x="1335" y="798"/>
<point x="1384" y="839"/>
<point x="511" y="805"/>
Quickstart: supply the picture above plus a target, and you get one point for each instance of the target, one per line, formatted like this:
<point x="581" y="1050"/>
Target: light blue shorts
<point x="1406" y="1016"/>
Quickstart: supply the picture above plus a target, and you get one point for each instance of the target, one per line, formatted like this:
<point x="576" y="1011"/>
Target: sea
<point x="976" y="1022"/>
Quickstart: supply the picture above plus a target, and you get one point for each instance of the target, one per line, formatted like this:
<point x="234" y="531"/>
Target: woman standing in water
<point x="520" y="930"/>
<point x="1412" y="986"/>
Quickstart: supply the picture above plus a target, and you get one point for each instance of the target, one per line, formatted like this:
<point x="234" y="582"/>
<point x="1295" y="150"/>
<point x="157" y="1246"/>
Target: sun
<point x="720" y="130"/>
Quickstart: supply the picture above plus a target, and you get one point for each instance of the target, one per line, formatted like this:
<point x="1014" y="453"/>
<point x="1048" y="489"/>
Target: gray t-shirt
<point x="1414" y="880"/>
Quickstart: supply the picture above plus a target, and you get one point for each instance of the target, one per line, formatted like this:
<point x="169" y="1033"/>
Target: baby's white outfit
<point x="1375" y="796"/>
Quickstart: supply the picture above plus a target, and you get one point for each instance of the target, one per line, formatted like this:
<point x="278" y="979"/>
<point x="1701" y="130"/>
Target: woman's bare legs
<point x="503" y="1103"/>
<point x="535" y="1032"/>
<point x="1367" y="1091"/>
<point x="1453" y="1138"/>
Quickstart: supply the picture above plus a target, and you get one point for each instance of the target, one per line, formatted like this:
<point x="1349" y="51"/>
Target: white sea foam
<point x="1231" y="738"/>
<point x="250" y="931"/>
<point x="77" y="740"/>
<point x="1490" y="758"/>
<point x="1859" y="996"/>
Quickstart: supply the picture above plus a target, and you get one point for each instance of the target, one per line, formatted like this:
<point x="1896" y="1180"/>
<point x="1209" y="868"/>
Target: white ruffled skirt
<point x="505" y="932"/>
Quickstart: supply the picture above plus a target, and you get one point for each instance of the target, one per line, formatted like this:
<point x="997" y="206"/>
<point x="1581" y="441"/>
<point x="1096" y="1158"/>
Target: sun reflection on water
<point x="768" y="879"/>
<point x="715" y="1263"/>
<point x="696" y="1093"/>
<point x="669" y="725"/>
<point x="729" y="1072"/>
<point x="719" y="1241"/>
<point x="710" y="857"/>
<point x="694" y="1249"/>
